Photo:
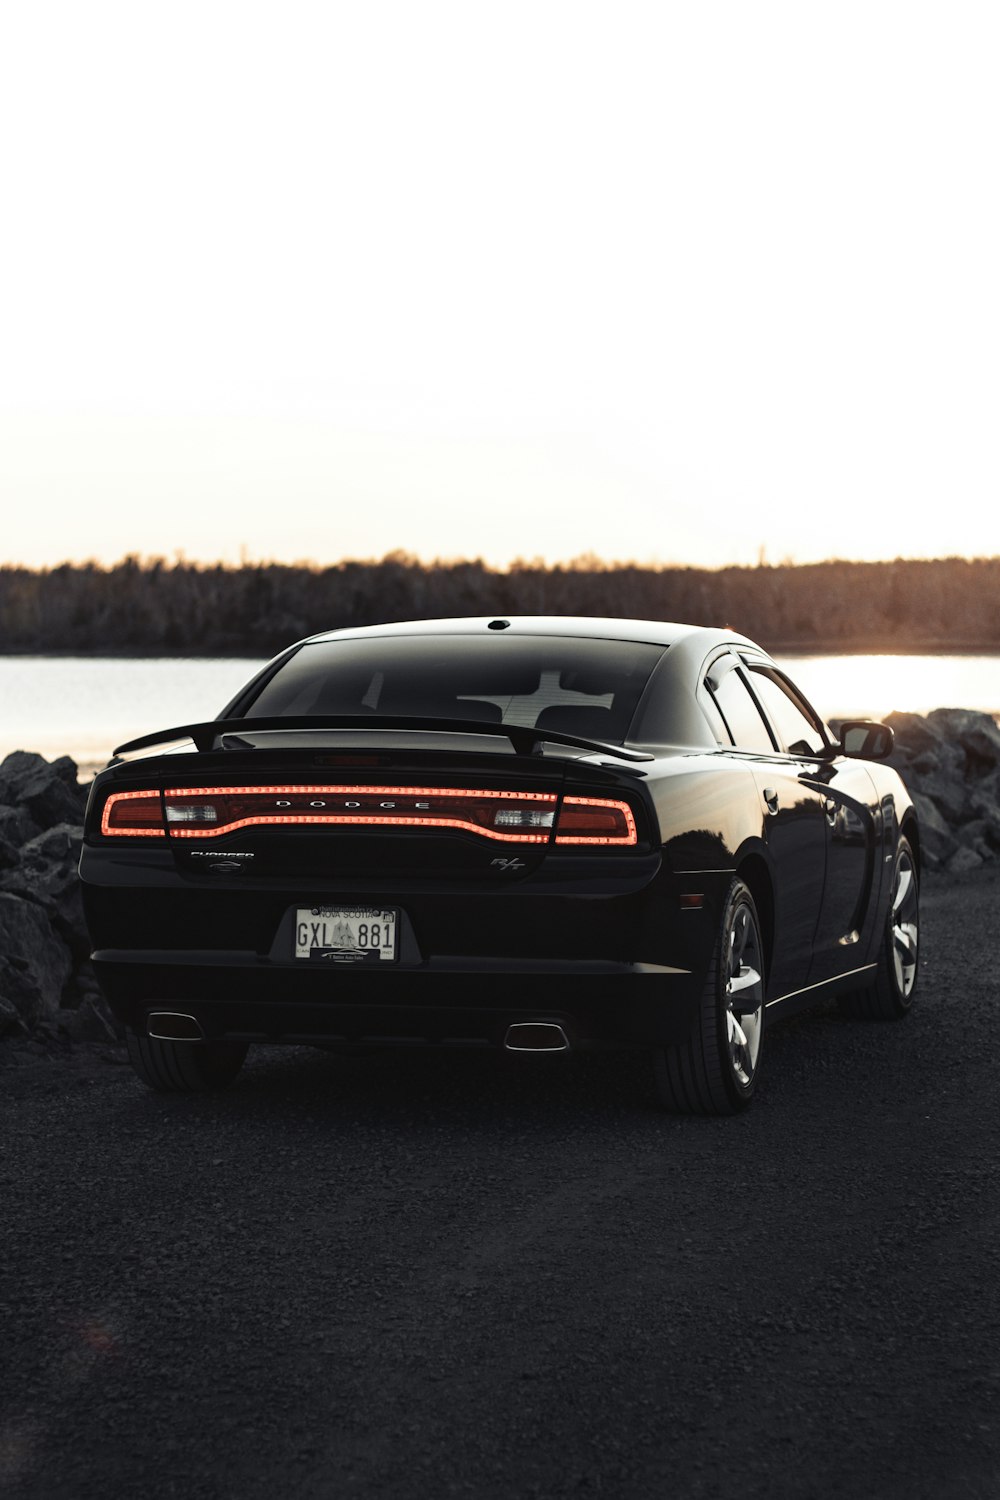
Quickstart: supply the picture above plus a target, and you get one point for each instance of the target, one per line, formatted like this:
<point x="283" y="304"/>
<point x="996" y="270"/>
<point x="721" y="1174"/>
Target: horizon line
<point x="586" y="562"/>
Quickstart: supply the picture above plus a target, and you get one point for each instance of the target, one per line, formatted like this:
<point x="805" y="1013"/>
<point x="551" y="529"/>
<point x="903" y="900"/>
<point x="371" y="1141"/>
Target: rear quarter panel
<point x="707" y="809"/>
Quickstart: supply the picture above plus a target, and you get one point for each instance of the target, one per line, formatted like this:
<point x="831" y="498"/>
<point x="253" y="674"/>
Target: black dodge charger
<point x="526" y="833"/>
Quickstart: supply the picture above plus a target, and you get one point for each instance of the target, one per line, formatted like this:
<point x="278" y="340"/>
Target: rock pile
<point x="950" y="761"/>
<point x="47" y="985"/>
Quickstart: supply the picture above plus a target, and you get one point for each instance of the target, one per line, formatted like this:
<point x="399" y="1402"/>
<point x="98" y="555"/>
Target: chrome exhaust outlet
<point x="173" y="1026"/>
<point x="536" y="1036"/>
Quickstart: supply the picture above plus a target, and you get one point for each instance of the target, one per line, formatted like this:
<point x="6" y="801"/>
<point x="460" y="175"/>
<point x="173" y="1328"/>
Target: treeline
<point x="160" y="608"/>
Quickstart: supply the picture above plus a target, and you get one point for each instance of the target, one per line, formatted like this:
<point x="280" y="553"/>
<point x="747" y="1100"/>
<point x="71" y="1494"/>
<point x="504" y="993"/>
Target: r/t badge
<point x="509" y="866"/>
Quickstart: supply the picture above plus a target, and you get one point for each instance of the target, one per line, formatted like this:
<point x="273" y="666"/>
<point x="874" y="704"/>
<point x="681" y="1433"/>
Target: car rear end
<point x="329" y="882"/>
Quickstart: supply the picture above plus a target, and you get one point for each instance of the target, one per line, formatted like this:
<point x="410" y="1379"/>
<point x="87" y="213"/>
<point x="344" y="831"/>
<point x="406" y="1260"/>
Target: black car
<point x="528" y="833"/>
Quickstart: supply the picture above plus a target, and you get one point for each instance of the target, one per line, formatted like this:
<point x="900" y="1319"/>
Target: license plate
<point x="346" y="934"/>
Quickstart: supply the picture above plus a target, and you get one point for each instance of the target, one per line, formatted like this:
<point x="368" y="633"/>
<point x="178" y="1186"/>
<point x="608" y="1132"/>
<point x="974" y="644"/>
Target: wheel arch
<point x="753" y="871"/>
<point x="910" y="829"/>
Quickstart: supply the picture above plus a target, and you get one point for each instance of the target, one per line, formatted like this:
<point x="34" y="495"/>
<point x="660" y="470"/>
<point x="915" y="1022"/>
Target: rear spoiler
<point x="525" y="741"/>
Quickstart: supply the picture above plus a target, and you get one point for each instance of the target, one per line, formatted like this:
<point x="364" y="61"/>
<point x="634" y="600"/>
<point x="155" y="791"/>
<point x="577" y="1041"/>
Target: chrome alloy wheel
<point x="716" y="1068"/>
<point x="903" y="924"/>
<point x="744" y="994"/>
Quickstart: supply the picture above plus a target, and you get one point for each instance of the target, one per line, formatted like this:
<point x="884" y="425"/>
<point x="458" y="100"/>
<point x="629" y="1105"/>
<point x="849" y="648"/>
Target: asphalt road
<point x="440" y="1275"/>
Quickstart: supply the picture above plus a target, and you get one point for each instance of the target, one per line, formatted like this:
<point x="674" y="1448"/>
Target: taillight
<point x="133" y="815"/>
<point x="512" y="817"/>
<point x="595" y="820"/>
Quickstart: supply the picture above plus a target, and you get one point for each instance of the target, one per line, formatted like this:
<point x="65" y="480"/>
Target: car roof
<point x="686" y="649"/>
<point x="655" y="632"/>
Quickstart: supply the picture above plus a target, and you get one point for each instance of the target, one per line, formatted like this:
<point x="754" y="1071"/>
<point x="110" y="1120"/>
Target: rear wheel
<point x="890" y="995"/>
<point x="715" y="1071"/>
<point x="184" y="1067"/>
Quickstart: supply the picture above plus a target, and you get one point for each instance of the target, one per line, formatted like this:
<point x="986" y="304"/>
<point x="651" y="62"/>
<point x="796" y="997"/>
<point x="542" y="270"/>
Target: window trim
<point x="740" y="666"/>
<point x="799" y="701"/>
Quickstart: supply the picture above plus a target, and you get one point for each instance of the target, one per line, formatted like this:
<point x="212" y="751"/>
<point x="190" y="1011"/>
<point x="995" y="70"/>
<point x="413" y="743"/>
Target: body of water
<point x="85" y="706"/>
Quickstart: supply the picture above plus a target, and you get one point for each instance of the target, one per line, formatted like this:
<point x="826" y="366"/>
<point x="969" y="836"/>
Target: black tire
<point x="890" y="995"/>
<point x="715" y="1071"/>
<point x="184" y="1067"/>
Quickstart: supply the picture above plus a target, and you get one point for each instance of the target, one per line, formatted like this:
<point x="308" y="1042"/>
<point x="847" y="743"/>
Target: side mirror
<point x="863" y="740"/>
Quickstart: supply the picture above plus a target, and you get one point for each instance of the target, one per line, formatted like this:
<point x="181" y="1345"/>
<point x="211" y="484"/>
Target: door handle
<point x="771" y="799"/>
<point x="830" y="808"/>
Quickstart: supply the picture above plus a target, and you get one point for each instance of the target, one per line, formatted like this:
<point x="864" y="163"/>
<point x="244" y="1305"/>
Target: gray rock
<point x="57" y="848"/>
<point x="46" y="873"/>
<point x="11" y="1023"/>
<point x="916" y="736"/>
<point x="937" y="843"/>
<point x="85" y="1015"/>
<point x="962" y="860"/>
<point x="48" y="792"/>
<point x="984" y="799"/>
<point x="943" y="767"/>
<point x="34" y="962"/>
<point x="950" y="762"/>
<point x="66" y="767"/>
<point x="927" y="763"/>
<point x="976" y="733"/>
<point x="948" y="793"/>
<point x="976" y="836"/>
<point x="91" y="1021"/>
<point x="16" y="827"/>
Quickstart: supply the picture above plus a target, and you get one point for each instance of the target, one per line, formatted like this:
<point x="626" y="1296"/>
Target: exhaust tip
<point x="173" y="1026"/>
<point x="536" y="1036"/>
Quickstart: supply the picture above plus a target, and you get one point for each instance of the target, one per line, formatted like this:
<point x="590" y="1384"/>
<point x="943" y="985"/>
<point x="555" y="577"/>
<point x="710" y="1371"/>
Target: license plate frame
<point x="344" y="935"/>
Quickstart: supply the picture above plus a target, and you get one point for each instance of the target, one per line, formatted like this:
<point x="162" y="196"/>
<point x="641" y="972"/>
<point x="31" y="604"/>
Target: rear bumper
<point x="444" y="1002"/>
<point x="613" y="958"/>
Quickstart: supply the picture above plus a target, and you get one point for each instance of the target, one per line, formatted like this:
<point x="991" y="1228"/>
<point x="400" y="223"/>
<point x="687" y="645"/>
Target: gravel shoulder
<point x="459" y="1275"/>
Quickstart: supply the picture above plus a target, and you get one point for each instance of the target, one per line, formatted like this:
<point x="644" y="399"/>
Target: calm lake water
<point x="84" y="706"/>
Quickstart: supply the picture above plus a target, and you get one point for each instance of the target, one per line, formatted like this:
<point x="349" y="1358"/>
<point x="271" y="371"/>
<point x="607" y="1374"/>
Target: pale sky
<point x="672" y="282"/>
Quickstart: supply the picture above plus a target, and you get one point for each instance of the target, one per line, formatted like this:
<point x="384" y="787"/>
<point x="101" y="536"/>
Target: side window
<point x="742" y="716"/>
<point x="709" y="707"/>
<point x="797" y="731"/>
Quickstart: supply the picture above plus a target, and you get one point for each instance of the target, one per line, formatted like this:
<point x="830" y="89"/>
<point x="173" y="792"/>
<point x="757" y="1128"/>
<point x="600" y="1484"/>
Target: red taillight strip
<point x="126" y="833"/>
<point x="352" y="791"/>
<point x="629" y="838"/>
<point x="545" y="799"/>
<point x="402" y="822"/>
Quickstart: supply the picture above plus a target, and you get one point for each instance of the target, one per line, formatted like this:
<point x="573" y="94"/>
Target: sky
<point x="691" y="283"/>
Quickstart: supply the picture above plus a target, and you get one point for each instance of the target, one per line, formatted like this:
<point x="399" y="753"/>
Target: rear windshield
<point x="584" y="687"/>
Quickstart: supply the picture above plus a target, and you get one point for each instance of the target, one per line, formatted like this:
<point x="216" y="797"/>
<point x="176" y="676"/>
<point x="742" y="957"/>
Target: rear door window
<point x="734" y="701"/>
<point x="797" y="730"/>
